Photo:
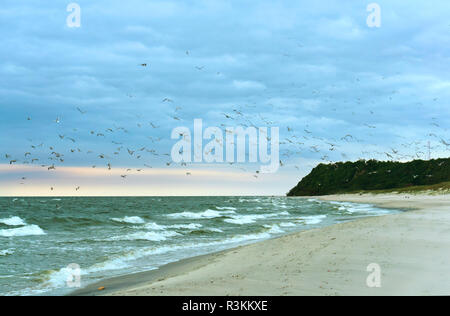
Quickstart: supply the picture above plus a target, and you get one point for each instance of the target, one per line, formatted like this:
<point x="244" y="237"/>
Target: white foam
<point x="287" y="224"/>
<point x="360" y="208"/>
<point x="129" y="220"/>
<point x="206" y="214"/>
<point x="6" y="252"/>
<point x="154" y="226"/>
<point x="29" y="230"/>
<point x="13" y="221"/>
<point x="274" y="229"/>
<point x="226" y="208"/>
<point x="150" y="236"/>
<point x="191" y="226"/>
<point x="215" y="230"/>
<point x="313" y="220"/>
<point x="251" y="218"/>
<point x="244" y="219"/>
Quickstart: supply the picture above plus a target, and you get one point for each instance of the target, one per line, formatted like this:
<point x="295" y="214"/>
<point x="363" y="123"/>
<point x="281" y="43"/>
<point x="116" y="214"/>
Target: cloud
<point x="306" y="66"/>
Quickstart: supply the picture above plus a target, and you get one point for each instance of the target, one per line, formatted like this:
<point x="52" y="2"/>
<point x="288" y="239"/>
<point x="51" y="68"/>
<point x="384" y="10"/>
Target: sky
<point x="112" y="90"/>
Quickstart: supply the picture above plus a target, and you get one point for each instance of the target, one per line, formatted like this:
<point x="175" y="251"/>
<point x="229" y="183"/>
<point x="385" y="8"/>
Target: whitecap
<point x="154" y="226"/>
<point x="206" y="214"/>
<point x="29" y="230"/>
<point x="251" y="218"/>
<point x="274" y="229"/>
<point x="150" y="236"/>
<point x="13" y="221"/>
<point x="313" y="220"/>
<point x="244" y="219"/>
<point x="226" y="208"/>
<point x="287" y="224"/>
<point x="191" y="226"/>
<point x="129" y="220"/>
<point x="6" y="252"/>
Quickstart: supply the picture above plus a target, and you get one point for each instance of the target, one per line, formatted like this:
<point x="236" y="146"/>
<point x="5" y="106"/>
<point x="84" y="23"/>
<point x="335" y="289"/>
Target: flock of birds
<point x="295" y="141"/>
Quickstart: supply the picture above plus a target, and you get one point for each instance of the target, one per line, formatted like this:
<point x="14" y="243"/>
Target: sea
<point x="43" y="239"/>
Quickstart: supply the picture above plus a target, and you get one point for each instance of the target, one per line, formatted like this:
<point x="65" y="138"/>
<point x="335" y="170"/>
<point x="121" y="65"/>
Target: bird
<point x="81" y="111"/>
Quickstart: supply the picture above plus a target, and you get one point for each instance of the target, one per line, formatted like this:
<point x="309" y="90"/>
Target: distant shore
<point x="412" y="250"/>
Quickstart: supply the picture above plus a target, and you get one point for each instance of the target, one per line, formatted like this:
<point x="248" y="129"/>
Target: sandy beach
<point x="412" y="250"/>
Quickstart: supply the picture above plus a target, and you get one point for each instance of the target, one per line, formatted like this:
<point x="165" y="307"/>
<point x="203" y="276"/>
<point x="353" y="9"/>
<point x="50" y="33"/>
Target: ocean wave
<point x="154" y="226"/>
<point x="202" y="215"/>
<point x="274" y="229"/>
<point x="191" y="226"/>
<point x="252" y="218"/>
<point x="6" y="252"/>
<point x="28" y="230"/>
<point x="226" y="208"/>
<point x="150" y="236"/>
<point x="287" y="224"/>
<point x="244" y="219"/>
<point x="13" y="221"/>
<point x="352" y="208"/>
<point x="129" y="220"/>
<point x="313" y="220"/>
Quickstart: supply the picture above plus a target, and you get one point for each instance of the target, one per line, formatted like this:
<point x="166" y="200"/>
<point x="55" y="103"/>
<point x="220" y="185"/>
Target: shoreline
<point x="330" y="260"/>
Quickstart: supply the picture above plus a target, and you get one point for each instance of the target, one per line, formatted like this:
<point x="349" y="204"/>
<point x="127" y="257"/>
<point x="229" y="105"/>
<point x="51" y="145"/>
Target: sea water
<point x="112" y="236"/>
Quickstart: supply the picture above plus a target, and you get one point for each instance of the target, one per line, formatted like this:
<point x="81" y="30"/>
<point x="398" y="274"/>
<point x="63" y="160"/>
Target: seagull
<point x="82" y="112"/>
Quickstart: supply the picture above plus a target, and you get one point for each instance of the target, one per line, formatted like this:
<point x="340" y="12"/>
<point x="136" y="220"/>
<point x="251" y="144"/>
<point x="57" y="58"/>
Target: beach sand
<point x="412" y="250"/>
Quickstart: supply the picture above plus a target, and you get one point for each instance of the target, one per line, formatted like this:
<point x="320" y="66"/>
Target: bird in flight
<point x="82" y="112"/>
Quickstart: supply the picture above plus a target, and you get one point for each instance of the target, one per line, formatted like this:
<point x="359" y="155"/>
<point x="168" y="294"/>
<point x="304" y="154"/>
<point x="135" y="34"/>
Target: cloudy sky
<point x="337" y="89"/>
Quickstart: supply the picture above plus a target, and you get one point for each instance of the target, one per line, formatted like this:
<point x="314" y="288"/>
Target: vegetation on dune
<point x="373" y="175"/>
